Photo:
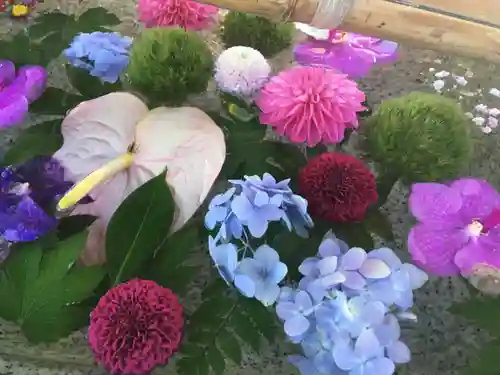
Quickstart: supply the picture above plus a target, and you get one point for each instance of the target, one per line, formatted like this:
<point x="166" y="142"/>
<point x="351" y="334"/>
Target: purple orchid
<point x="28" y="194"/>
<point x="18" y="90"/>
<point x="349" y="53"/>
<point x="459" y="227"/>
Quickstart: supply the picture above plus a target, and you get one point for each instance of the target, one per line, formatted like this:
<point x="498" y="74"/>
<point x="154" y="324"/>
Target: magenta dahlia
<point x="188" y="14"/>
<point x="135" y="327"/>
<point x="310" y="104"/>
<point x="338" y="187"/>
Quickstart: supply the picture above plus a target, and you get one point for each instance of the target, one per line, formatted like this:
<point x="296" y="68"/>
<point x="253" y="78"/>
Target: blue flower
<point x="397" y="289"/>
<point x="266" y="272"/>
<point x="388" y="334"/>
<point x="296" y="313"/>
<point x="104" y="55"/>
<point x="365" y="357"/>
<point x="219" y="213"/>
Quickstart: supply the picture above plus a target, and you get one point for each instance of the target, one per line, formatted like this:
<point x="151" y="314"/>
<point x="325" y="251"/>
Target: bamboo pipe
<point x="402" y="23"/>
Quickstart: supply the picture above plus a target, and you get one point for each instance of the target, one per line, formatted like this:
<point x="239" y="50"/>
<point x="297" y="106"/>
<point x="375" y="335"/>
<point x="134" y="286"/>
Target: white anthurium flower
<point x="113" y="144"/>
<point x="314" y="32"/>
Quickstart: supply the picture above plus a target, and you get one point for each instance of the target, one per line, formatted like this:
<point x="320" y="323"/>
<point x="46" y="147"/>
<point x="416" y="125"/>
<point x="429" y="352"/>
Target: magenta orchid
<point x="459" y="227"/>
<point x="18" y="90"/>
<point x="349" y="53"/>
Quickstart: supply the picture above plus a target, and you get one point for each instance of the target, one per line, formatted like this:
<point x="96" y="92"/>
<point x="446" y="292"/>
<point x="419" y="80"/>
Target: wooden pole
<point x="401" y="23"/>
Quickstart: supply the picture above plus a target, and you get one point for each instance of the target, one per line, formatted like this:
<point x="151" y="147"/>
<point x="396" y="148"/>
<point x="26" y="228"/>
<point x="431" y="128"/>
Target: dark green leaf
<point x="315" y="151"/>
<point x="376" y="222"/>
<point x="193" y="366"/>
<point x="263" y="319"/>
<point x="55" y="101"/>
<point x="487" y="361"/>
<point x="484" y="312"/>
<point x="41" y="139"/>
<point x="355" y="235"/>
<point x="49" y="23"/>
<point x="216" y="360"/>
<point x="70" y="225"/>
<point x="50" y="289"/>
<point x="21" y="51"/>
<point x="244" y="327"/>
<point x="89" y="87"/>
<point x="230" y="346"/>
<point x="138" y="228"/>
<point x="95" y="18"/>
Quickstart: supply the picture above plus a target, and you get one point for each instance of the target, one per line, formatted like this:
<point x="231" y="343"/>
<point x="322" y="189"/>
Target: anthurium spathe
<point x="114" y="143"/>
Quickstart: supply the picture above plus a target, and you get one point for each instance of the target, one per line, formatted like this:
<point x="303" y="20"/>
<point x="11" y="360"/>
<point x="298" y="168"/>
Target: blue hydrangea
<point x="349" y="328"/>
<point x="103" y="55"/>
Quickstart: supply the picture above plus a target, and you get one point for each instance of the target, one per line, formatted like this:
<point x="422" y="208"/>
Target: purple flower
<point x="458" y="228"/>
<point x="17" y="91"/>
<point x="349" y="53"/>
<point x="28" y="193"/>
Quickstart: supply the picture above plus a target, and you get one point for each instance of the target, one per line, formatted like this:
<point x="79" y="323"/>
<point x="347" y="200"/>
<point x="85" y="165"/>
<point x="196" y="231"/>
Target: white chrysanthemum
<point x="241" y="71"/>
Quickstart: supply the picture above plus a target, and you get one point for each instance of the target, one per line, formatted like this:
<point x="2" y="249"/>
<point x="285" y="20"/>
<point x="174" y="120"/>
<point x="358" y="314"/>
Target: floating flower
<point x="28" y="195"/>
<point x="310" y="104"/>
<point x="241" y="71"/>
<point x="115" y="139"/>
<point x="348" y="53"/>
<point x="338" y="187"/>
<point x="135" y="327"/>
<point x="266" y="272"/>
<point x="188" y="14"/>
<point x="252" y="204"/>
<point x="104" y="55"/>
<point x="18" y="90"/>
<point x="458" y="227"/>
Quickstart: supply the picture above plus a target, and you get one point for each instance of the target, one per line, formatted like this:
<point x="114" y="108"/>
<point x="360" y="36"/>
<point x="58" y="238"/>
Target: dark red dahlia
<point x="135" y="327"/>
<point x="338" y="187"/>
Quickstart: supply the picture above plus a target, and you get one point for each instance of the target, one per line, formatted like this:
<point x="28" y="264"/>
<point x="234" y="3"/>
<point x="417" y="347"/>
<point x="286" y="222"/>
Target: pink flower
<point x="310" y="104"/>
<point x="135" y="327"/>
<point x="458" y="229"/>
<point x="187" y="14"/>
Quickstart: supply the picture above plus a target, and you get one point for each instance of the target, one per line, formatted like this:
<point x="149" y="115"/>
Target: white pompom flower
<point x="241" y="71"/>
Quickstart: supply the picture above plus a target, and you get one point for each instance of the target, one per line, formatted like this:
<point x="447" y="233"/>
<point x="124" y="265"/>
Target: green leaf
<point x="355" y="235"/>
<point x="230" y="346"/>
<point x="55" y="101"/>
<point x="483" y="311"/>
<point x="70" y="225"/>
<point x="245" y="328"/>
<point x="487" y="361"/>
<point x="216" y="360"/>
<point x="89" y="87"/>
<point x="95" y="19"/>
<point x="138" y="227"/>
<point x="49" y="23"/>
<point x="315" y="151"/>
<point x="376" y="222"/>
<point x="193" y="366"/>
<point x="41" y="139"/>
<point x="49" y="289"/>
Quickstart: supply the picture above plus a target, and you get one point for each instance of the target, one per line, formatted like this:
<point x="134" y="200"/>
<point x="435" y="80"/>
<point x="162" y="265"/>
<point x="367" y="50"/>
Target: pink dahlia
<point x="135" y="327"/>
<point x="310" y="104"/>
<point x="187" y="14"/>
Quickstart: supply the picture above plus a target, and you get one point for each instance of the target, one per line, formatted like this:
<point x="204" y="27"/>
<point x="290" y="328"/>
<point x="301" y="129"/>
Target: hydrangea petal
<point x="387" y="256"/>
<point x="345" y="357"/>
<point x="353" y="280"/>
<point x="379" y="366"/>
<point x="266" y="256"/>
<point x="367" y="344"/>
<point x="374" y="269"/>
<point x="353" y="259"/>
<point x="327" y="265"/>
<point x="296" y="326"/>
<point x="286" y="310"/>
<point x="267" y="293"/>
<point x="308" y="266"/>
<point x="398" y="352"/>
<point x="417" y="277"/>
<point x="329" y="247"/>
<point x="245" y="285"/>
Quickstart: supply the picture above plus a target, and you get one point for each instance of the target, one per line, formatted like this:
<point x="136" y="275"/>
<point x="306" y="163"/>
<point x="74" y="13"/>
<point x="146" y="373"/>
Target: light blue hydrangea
<point x="103" y="55"/>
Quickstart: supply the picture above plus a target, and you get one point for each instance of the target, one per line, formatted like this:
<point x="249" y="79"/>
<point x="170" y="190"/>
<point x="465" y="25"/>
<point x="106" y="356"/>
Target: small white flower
<point x="492" y="122"/>
<point x="481" y="108"/>
<point x="432" y="70"/>
<point x="495" y="92"/>
<point x="469" y="73"/>
<point x="437" y="61"/>
<point x="469" y="115"/>
<point x="438" y="84"/>
<point x="461" y="80"/>
<point x="486" y="130"/>
<point x="494" y="112"/>
<point x="241" y="71"/>
<point x="479" y="121"/>
<point x="442" y="74"/>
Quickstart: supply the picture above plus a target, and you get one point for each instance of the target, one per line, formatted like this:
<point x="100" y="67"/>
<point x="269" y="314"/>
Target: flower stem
<point x="81" y="189"/>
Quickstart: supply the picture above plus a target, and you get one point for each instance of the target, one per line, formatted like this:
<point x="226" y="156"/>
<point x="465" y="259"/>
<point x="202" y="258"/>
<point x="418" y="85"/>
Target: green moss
<point x="241" y="29"/>
<point x="419" y="137"/>
<point x="166" y="65"/>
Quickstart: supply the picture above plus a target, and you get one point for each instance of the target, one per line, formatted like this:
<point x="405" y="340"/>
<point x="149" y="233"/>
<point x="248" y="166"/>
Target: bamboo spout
<point x="408" y="23"/>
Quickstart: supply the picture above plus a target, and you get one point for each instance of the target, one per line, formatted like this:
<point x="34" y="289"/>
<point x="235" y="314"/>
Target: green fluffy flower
<point x="419" y="137"/>
<point x="168" y="64"/>
<point x="267" y="37"/>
